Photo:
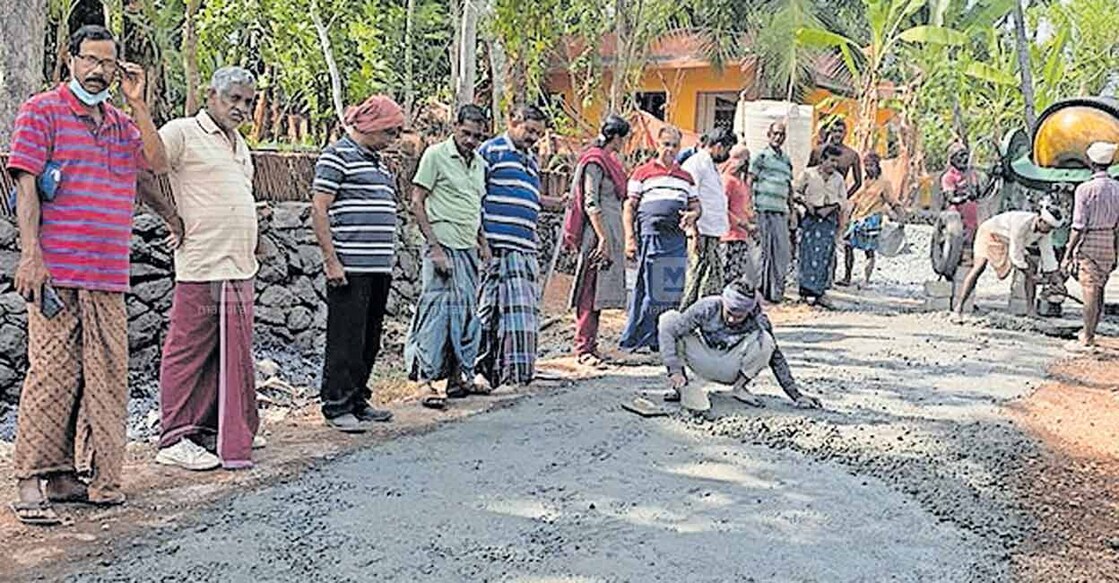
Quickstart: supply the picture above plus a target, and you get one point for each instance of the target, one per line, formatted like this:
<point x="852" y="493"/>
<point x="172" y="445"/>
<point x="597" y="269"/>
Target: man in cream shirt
<point x="207" y="388"/>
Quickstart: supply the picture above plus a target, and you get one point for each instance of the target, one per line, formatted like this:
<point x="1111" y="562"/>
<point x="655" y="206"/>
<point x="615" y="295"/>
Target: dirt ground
<point x="1075" y="483"/>
<point x="922" y="472"/>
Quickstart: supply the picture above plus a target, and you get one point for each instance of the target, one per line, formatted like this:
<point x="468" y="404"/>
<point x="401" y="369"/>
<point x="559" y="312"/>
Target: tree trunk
<point x="456" y="26"/>
<point x="409" y="67"/>
<point x="23" y="25"/>
<point x="1022" y="47"/>
<point x="331" y="64"/>
<point x="497" y="80"/>
<point x="62" y="44"/>
<point x="190" y="57"/>
<point x="467" y="53"/>
<point x="621" y="56"/>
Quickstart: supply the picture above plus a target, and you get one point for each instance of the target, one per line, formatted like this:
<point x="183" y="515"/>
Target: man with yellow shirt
<point x="206" y="377"/>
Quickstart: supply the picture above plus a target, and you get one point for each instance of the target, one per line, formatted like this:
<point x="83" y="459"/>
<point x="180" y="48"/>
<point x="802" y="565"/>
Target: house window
<point x="716" y="110"/>
<point x="652" y="102"/>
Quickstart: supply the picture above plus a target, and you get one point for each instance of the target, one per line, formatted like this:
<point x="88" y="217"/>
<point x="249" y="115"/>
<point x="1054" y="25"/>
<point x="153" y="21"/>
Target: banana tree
<point x="891" y="24"/>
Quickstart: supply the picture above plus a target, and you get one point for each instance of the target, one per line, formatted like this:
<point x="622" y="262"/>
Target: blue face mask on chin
<point x="90" y="99"/>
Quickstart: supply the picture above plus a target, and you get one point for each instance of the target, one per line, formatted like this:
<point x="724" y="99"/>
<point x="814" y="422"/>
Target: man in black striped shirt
<point x="354" y="218"/>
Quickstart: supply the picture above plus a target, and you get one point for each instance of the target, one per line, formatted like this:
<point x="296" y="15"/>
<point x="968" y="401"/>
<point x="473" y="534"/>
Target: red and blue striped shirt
<point x="86" y="229"/>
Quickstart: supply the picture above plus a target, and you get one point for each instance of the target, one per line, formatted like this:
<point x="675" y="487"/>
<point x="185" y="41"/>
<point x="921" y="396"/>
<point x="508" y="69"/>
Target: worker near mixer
<point x="1094" y="244"/>
<point x="1002" y="240"/>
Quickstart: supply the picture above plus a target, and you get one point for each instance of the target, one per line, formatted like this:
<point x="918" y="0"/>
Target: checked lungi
<point x="1096" y="257"/>
<point x="207" y="376"/>
<point x="705" y="271"/>
<point x="73" y="405"/>
<point x="444" y="336"/>
<point x="508" y="313"/>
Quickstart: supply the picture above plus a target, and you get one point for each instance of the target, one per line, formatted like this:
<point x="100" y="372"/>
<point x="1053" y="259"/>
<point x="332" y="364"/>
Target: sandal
<point x="593" y="360"/>
<point x="435" y="399"/>
<point x="36" y="512"/>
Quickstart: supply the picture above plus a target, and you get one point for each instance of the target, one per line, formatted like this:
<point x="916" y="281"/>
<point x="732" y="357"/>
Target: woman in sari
<point x="662" y="205"/>
<point x="869" y="207"/>
<point x="593" y="227"/>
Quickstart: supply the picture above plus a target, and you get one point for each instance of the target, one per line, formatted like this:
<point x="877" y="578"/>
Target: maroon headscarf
<point x="379" y="112"/>
<point x="575" y="220"/>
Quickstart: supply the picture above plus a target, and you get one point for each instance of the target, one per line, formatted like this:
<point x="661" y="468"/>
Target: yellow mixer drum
<point x="1066" y="129"/>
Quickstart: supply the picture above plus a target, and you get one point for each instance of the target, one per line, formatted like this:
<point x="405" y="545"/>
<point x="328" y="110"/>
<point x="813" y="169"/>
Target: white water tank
<point x="753" y="118"/>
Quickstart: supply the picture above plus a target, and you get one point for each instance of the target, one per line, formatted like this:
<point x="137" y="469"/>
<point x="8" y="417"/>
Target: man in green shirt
<point x="447" y="203"/>
<point x="770" y="179"/>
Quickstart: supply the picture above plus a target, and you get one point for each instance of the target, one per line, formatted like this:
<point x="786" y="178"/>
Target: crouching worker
<point x="724" y="339"/>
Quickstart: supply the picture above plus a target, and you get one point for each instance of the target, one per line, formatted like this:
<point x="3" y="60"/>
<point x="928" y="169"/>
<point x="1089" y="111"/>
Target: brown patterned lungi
<point x="73" y="406"/>
<point x="1096" y="257"/>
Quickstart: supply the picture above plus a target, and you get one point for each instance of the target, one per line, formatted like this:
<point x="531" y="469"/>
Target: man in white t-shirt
<point x="705" y="265"/>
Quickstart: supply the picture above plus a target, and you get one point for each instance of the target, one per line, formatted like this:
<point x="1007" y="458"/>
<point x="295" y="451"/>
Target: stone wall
<point x="290" y="310"/>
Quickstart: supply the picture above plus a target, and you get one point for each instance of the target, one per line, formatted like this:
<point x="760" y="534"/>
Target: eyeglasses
<point x="107" y="65"/>
<point x="670" y="144"/>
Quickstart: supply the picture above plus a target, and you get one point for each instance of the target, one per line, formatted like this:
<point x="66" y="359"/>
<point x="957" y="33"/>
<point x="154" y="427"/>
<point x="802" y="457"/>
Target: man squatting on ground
<point x="1002" y="241"/>
<point x="725" y="339"/>
<point x="1094" y="245"/>
<point x="207" y="379"/>
<point x="447" y="203"/>
<point x="354" y="218"/>
<point x="74" y="400"/>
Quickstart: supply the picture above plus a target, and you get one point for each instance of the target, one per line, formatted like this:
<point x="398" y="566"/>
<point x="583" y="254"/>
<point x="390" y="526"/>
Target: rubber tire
<point x="946" y="249"/>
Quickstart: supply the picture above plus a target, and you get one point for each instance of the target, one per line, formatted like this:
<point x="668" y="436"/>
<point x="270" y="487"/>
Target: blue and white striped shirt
<point x="511" y="204"/>
<point x="363" y="214"/>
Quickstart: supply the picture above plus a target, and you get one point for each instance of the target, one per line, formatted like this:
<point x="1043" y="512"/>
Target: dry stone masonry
<point x="290" y="309"/>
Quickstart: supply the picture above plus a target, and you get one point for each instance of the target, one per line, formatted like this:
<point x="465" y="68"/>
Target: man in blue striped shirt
<point x="354" y="218"/>
<point x="508" y="304"/>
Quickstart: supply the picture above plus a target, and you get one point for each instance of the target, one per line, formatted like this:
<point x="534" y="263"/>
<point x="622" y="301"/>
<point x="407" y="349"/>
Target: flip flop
<point x="36" y="513"/>
<point x="644" y="408"/>
<point x="434" y="400"/>
<point x="672" y="396"/>
<point x="108" y="498"/>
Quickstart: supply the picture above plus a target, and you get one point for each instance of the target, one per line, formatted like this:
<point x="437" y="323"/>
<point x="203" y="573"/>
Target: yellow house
<point x="680" y="86"/>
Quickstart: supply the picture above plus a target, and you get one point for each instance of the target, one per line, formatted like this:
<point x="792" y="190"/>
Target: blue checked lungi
<point x="444" y="336"/>
<point x="509" y="316"/>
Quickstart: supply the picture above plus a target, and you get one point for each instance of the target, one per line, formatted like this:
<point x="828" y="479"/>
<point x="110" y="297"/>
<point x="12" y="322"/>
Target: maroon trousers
<point x="206" y="378"/>
<point x="586" y="317"/>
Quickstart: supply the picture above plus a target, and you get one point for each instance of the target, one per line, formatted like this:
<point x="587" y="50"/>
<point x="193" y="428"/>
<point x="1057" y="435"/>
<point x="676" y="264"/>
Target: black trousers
<point x="354" y="321"/>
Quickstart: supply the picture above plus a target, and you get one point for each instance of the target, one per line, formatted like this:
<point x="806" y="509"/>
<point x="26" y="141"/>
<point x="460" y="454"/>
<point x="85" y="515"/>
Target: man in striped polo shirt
<point x="73" y="404"/>
<point x="354" y="217"/>
<point x="771" y="180"/>
<point x="508" y="303"/>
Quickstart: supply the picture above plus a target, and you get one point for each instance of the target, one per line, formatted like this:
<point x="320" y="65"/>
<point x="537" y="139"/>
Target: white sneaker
<point x="259" y="442"/>
<point x="188" y="455"/>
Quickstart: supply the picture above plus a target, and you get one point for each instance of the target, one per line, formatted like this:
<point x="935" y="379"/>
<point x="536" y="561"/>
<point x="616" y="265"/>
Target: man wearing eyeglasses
<point x="447" y="203"/>
<point x="74" y="235"/>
